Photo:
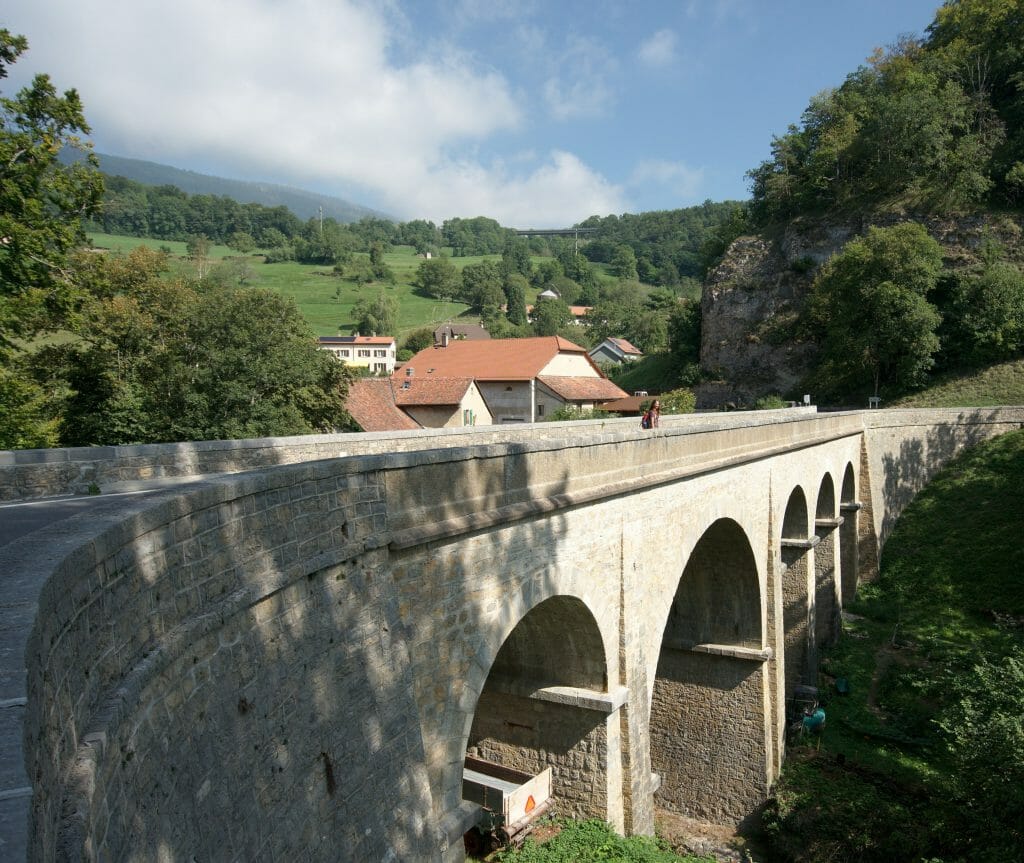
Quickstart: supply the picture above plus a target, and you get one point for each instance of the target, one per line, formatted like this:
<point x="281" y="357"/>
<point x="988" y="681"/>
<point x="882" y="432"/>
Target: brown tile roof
<point x="628" y="405"/>
<point x="494" y="360"/>
<point x="371" y="403"/>
<point x="430" y="391"/>
<point x="582" y="389"/>
<point x="626" y="347"/>
<point x="461" y="331"/>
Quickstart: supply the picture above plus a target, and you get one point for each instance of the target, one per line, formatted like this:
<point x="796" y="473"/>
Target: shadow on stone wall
<point x="246" y="670"/>
<point x="919" y="458"/>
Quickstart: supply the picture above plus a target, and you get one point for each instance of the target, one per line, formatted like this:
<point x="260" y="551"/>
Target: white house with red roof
<point x="520" y="380"/>
<point x="376" y="353"/>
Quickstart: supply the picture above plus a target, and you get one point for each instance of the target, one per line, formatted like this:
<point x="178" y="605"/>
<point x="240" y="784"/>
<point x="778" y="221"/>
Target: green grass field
<point x="325" y="300"/>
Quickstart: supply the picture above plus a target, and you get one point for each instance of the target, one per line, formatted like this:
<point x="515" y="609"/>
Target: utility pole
<point x="321" y="221"/>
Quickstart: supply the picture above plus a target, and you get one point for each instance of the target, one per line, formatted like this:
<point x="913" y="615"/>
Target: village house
<point x="520" y="380"/>
<point x="376" y="353"/>
<point x="615" y="351"/>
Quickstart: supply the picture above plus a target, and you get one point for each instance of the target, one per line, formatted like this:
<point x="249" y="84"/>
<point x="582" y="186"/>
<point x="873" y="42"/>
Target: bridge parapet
<point x="28" y="474"/>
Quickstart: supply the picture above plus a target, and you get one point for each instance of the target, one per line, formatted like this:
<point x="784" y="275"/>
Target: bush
<point x="681" y="401"/>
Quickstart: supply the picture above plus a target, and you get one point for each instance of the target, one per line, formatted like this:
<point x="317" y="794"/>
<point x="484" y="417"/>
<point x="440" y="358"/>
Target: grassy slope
<point x="1001" y="384"/>
<point x="325" y="300"/>
<point x="953" y="563"/>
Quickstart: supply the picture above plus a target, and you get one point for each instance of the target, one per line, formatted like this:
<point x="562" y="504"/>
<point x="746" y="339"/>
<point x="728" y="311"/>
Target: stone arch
<point x="709" y="694"/>
<point x="825" y="607"/>
<point x="849" y="562"/>
<point x="545" y="703"/>
<point x="794" y="545"/>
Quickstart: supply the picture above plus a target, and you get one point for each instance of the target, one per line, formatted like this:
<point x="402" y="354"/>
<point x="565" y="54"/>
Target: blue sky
<point x="533" y="113"/>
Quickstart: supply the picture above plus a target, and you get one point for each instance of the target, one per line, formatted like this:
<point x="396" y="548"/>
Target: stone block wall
<point x="184" y="683"/>
<point x="708" y="734"/>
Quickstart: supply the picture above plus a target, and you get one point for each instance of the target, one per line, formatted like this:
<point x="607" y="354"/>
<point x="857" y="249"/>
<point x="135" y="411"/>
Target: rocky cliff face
<point x="750" y="340"/>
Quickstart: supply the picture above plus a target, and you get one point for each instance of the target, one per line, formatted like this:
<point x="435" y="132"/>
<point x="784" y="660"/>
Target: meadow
<point x="325" y="299"/>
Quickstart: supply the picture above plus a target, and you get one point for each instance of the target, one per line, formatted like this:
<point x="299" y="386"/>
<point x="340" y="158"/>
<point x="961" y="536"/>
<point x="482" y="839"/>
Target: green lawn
<point x="325" y="300"/>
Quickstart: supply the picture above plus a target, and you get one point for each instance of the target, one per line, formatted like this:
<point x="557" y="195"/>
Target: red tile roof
<point x="430" y="391"/>
<point x="371" y="403"/>
<point x="626" y="347"/>
<point x="494" y="360"/>
<point x="582" y="389"/>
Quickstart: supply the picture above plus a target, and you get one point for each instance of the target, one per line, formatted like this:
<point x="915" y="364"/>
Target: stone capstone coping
<point x="793" y="542"/>
<point x="733" y="651"/>
<point x="28" y="474"/>
<point x="853" y="506"/>
<point x="830" y="523"/>
<point x="588" y="699"/>
<point x="443" y="529"/>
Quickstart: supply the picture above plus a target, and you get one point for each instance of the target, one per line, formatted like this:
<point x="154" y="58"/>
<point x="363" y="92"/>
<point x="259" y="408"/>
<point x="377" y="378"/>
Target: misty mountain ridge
<point x="302" y="203"/>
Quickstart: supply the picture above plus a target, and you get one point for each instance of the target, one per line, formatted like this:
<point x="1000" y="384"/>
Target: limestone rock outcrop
<point x="751" y="342"/>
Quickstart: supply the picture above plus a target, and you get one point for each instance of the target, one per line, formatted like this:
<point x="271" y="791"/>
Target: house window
<point x="380" y="353"/>
<point x="380" y="367"/>
<point x="364" y="352"/>
<point x="343" y="352"/>
<point x="540" y="410"/>
<point x="468" y="417"/>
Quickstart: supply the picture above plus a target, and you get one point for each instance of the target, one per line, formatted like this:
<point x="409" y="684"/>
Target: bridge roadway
<point x="293" y="661"/>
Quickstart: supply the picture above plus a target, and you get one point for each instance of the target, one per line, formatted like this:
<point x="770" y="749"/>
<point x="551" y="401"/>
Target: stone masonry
<point x="292" y="662"/>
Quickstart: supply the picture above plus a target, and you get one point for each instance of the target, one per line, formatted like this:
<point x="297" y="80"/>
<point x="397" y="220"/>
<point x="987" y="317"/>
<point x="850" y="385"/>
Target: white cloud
<point x="558" y="192"/>
<point x="580" y="86"/>
<point x="308" y="92"/>
<point x="659" y="49"/>
<point x="683" y="181"/>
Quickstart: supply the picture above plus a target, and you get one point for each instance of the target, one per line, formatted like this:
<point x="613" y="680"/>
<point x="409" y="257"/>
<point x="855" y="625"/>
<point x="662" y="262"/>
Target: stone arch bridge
<point x="292" y="661"/>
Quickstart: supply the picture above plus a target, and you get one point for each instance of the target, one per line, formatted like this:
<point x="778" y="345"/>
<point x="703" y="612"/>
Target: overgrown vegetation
<point x="924" y="759"/>
<point x="935" y="124"/>
<point x="583" y="841"/>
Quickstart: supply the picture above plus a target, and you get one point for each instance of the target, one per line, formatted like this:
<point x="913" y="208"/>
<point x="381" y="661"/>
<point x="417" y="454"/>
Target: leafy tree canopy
<point x="42" y="202"/>
<point x="869" y="312"/>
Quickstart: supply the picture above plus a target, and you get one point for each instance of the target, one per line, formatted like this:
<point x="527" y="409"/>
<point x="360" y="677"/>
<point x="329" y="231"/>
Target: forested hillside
<point x="302" y="203"/>
<point x="882" y="243"/>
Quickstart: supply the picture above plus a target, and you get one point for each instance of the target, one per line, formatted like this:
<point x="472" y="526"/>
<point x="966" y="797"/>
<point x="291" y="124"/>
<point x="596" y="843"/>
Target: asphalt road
<point x="18" y="519"/>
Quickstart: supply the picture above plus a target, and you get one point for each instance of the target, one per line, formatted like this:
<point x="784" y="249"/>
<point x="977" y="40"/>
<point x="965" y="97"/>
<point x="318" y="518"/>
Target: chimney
<point x="444" y="339"/>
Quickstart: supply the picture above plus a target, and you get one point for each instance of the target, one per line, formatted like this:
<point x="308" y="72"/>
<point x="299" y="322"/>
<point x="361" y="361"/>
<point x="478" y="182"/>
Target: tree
<point x="438" y="277"/>
<point x="158" y="360"/>
<point x="549" y="316"/>
<point x="681" y="401"/>
<point x="515" y="298"/>
<point x="869" y="312"/>
<point x="42" y="201"/>
<point x="376" y="317"/>
<point x="623" y="263"/>
<point x="242" y="242"/>
<point x="418" y="340"/>
<point x="482" y="285"/>
<point x="983" y="320"/>
<point x="515" y="257"/>
<point x="198" y="249"/>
